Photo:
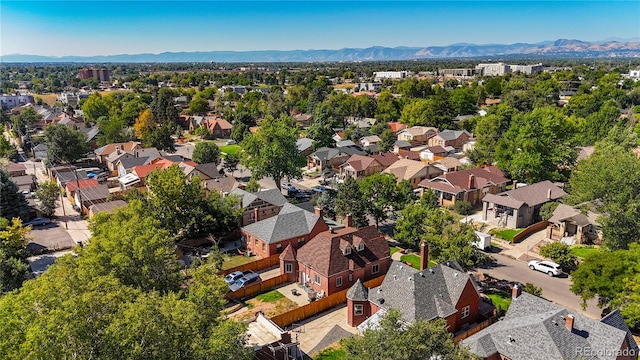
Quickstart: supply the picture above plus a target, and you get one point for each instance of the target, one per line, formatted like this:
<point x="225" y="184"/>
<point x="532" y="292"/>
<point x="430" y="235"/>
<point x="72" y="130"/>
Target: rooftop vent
<point x="421" y="274"/>
<point x="431" y="271"/>
<point x="379" y="290"/>
<point x="510" y="339"/>
<point x="381" y="301"/>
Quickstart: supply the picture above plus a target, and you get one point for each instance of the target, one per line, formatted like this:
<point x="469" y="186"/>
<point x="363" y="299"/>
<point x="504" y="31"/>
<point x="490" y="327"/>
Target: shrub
<point x="532" y="289"/>
<point x="463" y="207"/>
<point x="560" y="253"/>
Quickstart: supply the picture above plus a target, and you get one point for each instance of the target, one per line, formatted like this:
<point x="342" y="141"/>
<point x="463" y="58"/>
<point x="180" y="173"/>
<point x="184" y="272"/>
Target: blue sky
<point x="128" y="27"/>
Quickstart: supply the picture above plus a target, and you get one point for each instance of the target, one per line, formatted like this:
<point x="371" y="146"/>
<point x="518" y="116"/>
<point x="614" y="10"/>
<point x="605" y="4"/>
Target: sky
<point x="85" y="28"/>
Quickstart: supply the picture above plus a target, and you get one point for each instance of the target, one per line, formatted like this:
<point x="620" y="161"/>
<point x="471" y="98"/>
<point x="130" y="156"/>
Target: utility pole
<point x="64" y="212"/>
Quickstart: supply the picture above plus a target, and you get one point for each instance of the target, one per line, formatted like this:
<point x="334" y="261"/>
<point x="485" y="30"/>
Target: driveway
<point x="49" y="238"/>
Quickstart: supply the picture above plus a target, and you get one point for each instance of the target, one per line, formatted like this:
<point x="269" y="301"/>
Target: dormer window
<point x="360" y="247"/>
<point x="347" y="251"/>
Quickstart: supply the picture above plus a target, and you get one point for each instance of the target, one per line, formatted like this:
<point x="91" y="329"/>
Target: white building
<point x="379" y="75"/>
<point x="11" y="101"/>
<point x="527" y="69"/>
<point x="494" y="69"/>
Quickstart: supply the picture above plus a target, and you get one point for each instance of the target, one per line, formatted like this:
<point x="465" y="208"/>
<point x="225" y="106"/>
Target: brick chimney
<point x="424" y="255"/>
<point x="549" y="194"/>
<point x="256" y="213"/>
<point x="568" y="322"/>
<point x="515" y="292"/>
<point x="348" y="221"/>
<point x="472" y="182"/>
<point x="318" y="211"/>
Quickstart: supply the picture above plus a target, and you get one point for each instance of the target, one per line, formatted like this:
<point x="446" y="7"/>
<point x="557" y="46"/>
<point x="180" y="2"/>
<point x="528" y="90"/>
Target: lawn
<point x="235" y="260"/>
<point x="499" y="299"/>
<point x="271" y="303"/>
<point x="415" y="261"/>
<point x="230" y="149"/>
<point x="394" y="249"/>
<point x="506" y="234"/>
<point x="331" y="354"/>
<point x="270" y="296"/>
<point x="583" y="251"/>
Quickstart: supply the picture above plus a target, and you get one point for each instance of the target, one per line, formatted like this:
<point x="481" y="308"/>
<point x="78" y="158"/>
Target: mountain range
<point x="561" y="48"/>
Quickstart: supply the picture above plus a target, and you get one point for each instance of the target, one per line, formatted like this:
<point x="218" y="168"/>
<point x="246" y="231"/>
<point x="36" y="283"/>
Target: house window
<point x="347" y="251"/>
<point x="288" y="268"/>
<point x="279" y="247"/>
<point x="350" y="277"/>
<point x="358" y="309"/>
<point x="264" y="247"/>
<point x="256" y="242"/>
<point x="300" y="241"/>
<point x="465" y="312"/>
<point x="360" y="247"/>
<point x="316" y="279"/>
<point x="375" y="269"/>
<point x="339" y="281"/>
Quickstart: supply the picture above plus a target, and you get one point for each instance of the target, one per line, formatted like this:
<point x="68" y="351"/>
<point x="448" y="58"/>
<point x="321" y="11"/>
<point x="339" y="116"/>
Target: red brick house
<point x="443" y="291"/>
<point x="453" y="138"/>
<point x="469" y="185"/>
<point x="292" y="226"/>
<point x="335" y="259"/>
<point x="219" y="128"/>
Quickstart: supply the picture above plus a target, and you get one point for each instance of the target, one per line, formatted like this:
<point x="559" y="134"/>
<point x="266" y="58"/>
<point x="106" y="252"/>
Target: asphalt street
<point x="555" y="289"/>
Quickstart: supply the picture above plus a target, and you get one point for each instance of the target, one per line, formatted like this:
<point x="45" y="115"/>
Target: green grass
<point x="331" y="354"/>
<point x="236" y="260"/>
<point x="230" y="149"/>
<point x="414" y="260"/>
<point x="499" y="299"/>
<point x="394" y="249"/>
<point x="583" y="251"/>
<point x="271" y="296"/>
<point x="506" y="234"/>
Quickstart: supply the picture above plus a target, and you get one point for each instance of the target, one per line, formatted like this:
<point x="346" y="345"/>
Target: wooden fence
<point x="313" y="308"/>
<point x="530" y="230"/>
<point x="257" y="265"/>
<point x="258" y="288"/>
<point x="473" y="330"/>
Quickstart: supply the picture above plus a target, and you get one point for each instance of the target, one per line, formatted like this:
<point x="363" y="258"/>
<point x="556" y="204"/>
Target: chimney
<point x="568" y="322"/>
<point x="318" y="211"/>
<point x="424" y="255"/>
<point x="549" y="193"/>
<point x="515" y="292"/>
<point x="348" y="221"/>
<point x="118" y="151"/>
<point x="472" y="183"/>
<point x="256" y="213"/>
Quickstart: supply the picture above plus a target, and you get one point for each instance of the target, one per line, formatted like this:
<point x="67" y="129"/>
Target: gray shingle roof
<point x="290" y="222"/>
<point x="129" y="163"/>
<point x="420" y="295"/>
<point x="452" y="134"/>
<point x="358" y="292"/>
<point x="532" y="195"/>
<point x="534" y="329"/>
<point x="272" y="196"/>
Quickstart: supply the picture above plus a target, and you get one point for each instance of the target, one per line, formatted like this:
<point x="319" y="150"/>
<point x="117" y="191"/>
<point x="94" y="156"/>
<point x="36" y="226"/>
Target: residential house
<point x="269" y="341"/>
<point x="63" y="177"/>
<point x="85" y="197"/>
<point x="359" y="166"/>
<point x="24" y="182"/>
<point x="396" y="127"/>
<point x="334" y="259"/>
<point x="413" y="171"/>
<point x="205" y="171"/>
<point x="16" y="169"/>
<point x="453" y="138"/>
<point x="574" y="225"/>
<point x="109" y="206"/>
<point x="72" y="186"/>
<point x="417" y="134"/>
<point x="386" y="159"/>
<point x="218" y="127"/>
<point x="292" y="226"/>
<point x="433" y="153"/>
<point x="327" y="158"/>
<point x="39" y="152"/>
<point x="401" y="145"/>
<point x="537" y="329"/>
<point x="448" y="164"/>
<point x="469" y="185"/>
<point x="303" y="120"/>
<point x="103" y="152"/>
<point x="519" y="208"/>
<point x="346" y="144"/>
<point x="112" y="160"/>
<point x="223" y="185"/>
<point x="370" y="140"/>
<point x="304" y="146"/>
<point x="259" y="205"/>
<point x="440" y="292"/>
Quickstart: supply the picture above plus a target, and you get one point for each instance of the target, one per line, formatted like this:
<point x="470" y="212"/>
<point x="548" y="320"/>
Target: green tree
<point x="547" y="209"/>
<point x="95" y="107"/>
<point x="239" y="131"/>
<point x="321" y="130"/>
<point x="434" y="111"/>
<point x="272" y="151"/>
<point x="387" y="141"/>
<point x="12" y="202"/>
<point x="161" y="138"/>
<point x="199" y="106"/>
<point x="350" y="201"/>
<point x="561" y="254"/>
<point x="231" y="162"/>
<point x="252" y="185"/>
<point x="25" y="120"/>
<point x="7" y="150"/>
<point x="379" y="193"/>
<point x="410" y="227"/>
<point x="132" y="109"/>
<point x="463" y="101"/>
<point x="14" y="267"/>
<point x="532" y="289"/>
<point x="388" y="108"/>
<point x="327" y="202"/>
<point x="163" y="108"/>
<point x="393" y="339"/>
<point x="48" y="194"/>
<point x="111" y="130"/>
<point x="463" y="208"/>
<point x="206" y="152"/>
<point x="64" y="144"/>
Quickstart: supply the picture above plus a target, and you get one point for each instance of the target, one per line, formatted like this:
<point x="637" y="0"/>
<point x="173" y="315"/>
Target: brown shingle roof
<point x="405" y="169"/>
<point x="455" y="182"/>
<point x="360" y="162"/>
<point x="386" y="159"/>
<point x="323" y="252"/>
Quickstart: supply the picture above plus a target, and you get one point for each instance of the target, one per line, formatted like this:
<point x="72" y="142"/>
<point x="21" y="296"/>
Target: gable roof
<point x="568" y="213"/>
<point x="452" y="134"/>
<point x="303" y="144"/>
<point x="449" y="162"/>
<point x="130" y="162"/>
<point x="360" y="162"/>
<point x="532" y="195"/>
<point x="396" y="126"/>
<point x="419" y="130"/>
<point x="143" y="170"/>
<point x="323" y="253"/>
<point x="84" y="183"/>
<point x="420" y="295"/>
<point x="271" y="196"/>
<point x="401" y="144"/>
<point x="405" y="169"/>
<point x="290" y="222"/>
<point x="209" y="169"/>
<point x="386" y="159"/>
<point x="455" y="182"/>
<point x="223" y="184"/>
<point x="99" y="192"/>
<point x="370" y="138"/>
<point x="218" y="122"/>
<point x="437" y="149"/>
<point x="109" y="148"/>
<point x="534" y="329"/>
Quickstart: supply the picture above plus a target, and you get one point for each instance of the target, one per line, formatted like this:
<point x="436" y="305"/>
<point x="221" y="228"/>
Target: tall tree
<point x="387" y="141"/>
<point x="14" y="267"/>
<point x="145" y="124"/>
<point x="64" y="144"/>
<point x="199" y="106"/>
<point x="206" y="152"/>
<point x="388" y="108"/>
<point x="163" y="108"/>
<point x="231" y="162"/>
<point x="350" y="201"/>
<point x="272" y="151"/>
<point x="12" y="202"/>
<point x="393" y="339"/>
<point x="95" y="107"/>
<point x="463" y="101"/>
<point x="379" y="193"/>
<point x="48" y="194"/>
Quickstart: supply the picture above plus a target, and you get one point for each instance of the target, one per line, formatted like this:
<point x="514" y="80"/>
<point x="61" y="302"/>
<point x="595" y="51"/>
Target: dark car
<point x="319" y="189"/>
<point x="38" y="222"/>
<point x="244" y="281"/>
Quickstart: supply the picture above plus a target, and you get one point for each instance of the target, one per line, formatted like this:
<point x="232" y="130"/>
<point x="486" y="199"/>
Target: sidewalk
<point x="527" y="249"/>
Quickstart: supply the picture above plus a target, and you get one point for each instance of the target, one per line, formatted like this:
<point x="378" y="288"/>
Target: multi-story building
<point x="527" y="69"/>
<point x="100" y="74"/>
<point x="493" y="69"/>
<point x="460" y="73"/>
<point x="11" y="101"/>
<point x="379" y="75"/>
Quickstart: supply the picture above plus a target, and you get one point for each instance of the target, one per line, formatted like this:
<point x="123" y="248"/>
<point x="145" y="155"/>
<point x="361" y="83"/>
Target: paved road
<point x="555" y="289"/>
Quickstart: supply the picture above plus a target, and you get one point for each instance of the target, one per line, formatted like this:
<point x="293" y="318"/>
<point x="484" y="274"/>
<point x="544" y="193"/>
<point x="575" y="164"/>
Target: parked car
<point x="244" y="281"/>
<point x="291" y="190"/>
<point x="319" y="188"/>
<point x="28" y="194"/>
<point x="547" y="267"/>
<point x="233" y="277"/>
<point x="38" y="221"/>
<point x="230" y="142"/>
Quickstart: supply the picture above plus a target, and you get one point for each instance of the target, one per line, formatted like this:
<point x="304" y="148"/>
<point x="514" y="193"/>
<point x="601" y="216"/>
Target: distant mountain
<point x="547" y="49"/>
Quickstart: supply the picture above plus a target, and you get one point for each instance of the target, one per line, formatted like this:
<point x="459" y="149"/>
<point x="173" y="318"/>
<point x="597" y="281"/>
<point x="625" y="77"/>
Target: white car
<point x="547" y="267"/>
